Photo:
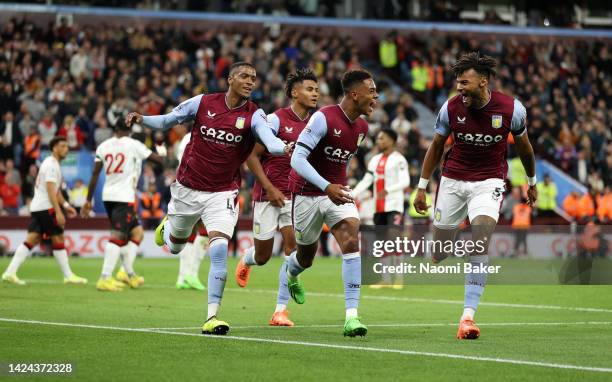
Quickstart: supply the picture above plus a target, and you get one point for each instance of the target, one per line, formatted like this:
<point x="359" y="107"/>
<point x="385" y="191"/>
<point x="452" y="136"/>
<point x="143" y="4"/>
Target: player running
<point x="320" y="194"/>
<point x="208" y="179"/>
<point x="47" y="217"/>
<point x="388" y="170"/>
<point x="191" y="256"/>
<point x="271" y="195"/>
<point x="121" y="157"/>
<point x="474" y="170"/>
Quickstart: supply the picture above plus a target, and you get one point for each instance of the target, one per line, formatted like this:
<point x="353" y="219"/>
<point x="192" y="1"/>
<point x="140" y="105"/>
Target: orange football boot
<point x="243" y="272"/>
<point x="281" y="319"/>
<point x="468" y="330"/>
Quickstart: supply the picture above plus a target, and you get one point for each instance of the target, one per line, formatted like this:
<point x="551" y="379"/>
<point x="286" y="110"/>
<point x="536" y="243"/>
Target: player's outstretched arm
<point x="264" y="131"/>
<point x="253" y="162"/>
<point x="432" y="159"/>
<point x="185" y="111"/>
<point x="91" y="188"/>
<point x="525" y="152"/>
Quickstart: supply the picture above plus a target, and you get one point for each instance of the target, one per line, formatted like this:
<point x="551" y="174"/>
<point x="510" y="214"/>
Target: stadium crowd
<point x="78" y="81"/>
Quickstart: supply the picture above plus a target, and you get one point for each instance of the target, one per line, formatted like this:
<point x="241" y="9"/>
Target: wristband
<point x="66" y="204"/>
<point x="423" y="183"/>
<point x="532" y="180"/>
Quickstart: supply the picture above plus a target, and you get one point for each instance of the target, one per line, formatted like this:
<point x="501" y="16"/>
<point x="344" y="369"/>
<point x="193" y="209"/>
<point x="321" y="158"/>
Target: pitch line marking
<point x="386" y="298"/>
<point x="416" y="325"/>
<point x="328" y="346"/>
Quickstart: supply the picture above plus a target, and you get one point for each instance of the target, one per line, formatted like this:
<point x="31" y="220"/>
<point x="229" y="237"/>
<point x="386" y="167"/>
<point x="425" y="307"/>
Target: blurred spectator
<point x="10" y="191"/>
<point x="11" y="171"/>
<point x="387" y="53"/>
<point x="547" y="197"/>
<point x="604" y="206"/>
<point x="586" y="207"/>
<point x="31" y="149"/>
<point x="521" y="221"/>
<point x="150" y="207"/>
<point x="78" y="194"/>
<point x="8" y="136"/>
<point x="72" y="132"/>
<point x="570" y="204"/>
<point x="47" y="129"/>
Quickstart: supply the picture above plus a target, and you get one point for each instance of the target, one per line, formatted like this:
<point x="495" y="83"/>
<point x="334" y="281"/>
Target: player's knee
<point x="137" y="234"/>
<point x="350" y="244"/>
<point x="118" y="236"/>
<point x="288" y="249"/>
<point x="263" y="255"/>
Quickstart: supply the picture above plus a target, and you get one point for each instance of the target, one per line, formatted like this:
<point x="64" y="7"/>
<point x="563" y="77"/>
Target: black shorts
<point x="122" y="216"/>
<point x="389" y="218"/>
<point x="45" y="223"/>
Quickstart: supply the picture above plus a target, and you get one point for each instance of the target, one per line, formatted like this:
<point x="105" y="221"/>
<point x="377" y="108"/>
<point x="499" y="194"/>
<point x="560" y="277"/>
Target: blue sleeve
<point x="299" y="162"/>
<point x="314" y="131"/>
<point x="185" y="111"/>
<point x="442" y="125"/>
<point x="274" y="123"/>
<point x="263" y="131"/>
<point x="518" y="124"/>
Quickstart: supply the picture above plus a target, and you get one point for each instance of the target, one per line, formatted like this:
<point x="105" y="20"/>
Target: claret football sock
<point x="351" y="276"/>
<point x="474" y="286"/>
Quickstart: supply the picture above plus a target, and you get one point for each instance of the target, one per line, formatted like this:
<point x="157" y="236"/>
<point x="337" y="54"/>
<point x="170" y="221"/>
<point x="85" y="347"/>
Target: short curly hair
<point x="297" y="77"/>
<point x="483" y="65"/>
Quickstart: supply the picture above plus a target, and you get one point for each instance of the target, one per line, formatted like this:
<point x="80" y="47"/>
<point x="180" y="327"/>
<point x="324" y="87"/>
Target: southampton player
<point x="191" y="256"/>
<point x="208" y="179"/>
<point x="474" y="169"/>
<point x="121" y="157"/>
<point x="320" y="194"/>
<point x="388" y="170"/>
<point x="47" y="216"/>
<point x="271" y="195"/>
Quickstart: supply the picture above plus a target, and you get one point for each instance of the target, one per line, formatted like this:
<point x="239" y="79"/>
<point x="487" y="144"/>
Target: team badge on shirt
<point x="360" y="139"/>
<point x="288" y="129"/>
<point x="496" y="121"/>
<point x="438" y="215"/>
<point x="240" y="123"/>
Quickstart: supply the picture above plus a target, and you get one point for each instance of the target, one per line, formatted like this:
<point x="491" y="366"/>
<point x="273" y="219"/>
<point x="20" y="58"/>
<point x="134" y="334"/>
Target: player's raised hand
<point x="275" y="196"/>
<point x="420" y="202"/>
<point x="532" y="196"/>
<point x="289" y="147"/>
<point x="339" y="194"/>
<point x="132" y="118"/>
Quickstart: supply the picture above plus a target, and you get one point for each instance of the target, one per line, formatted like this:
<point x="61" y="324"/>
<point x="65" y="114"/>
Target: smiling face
<point x="472" y="87"/>
<point x="306" y="93"/>
<point x="365" y="95"/>
<point x="242" y="81"/>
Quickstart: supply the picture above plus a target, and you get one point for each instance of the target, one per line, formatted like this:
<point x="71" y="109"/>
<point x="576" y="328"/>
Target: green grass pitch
<point x="543" y="333"/>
